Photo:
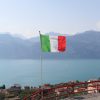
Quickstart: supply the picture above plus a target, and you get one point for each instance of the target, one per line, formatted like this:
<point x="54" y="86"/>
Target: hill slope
<point x="83" y="45"/>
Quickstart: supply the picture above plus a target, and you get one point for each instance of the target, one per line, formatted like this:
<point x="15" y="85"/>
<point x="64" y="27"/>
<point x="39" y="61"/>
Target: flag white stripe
<point x="54" y="43"/>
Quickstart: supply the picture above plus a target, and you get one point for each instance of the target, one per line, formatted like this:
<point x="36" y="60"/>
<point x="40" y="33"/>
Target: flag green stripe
<point x="45" y="43"/>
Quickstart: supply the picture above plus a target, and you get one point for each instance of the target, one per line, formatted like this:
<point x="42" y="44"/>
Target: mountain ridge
<point x="85" y="45"/>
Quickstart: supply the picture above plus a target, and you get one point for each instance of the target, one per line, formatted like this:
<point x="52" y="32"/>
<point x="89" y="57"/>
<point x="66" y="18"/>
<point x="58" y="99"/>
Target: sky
<point x="27" y="17"/>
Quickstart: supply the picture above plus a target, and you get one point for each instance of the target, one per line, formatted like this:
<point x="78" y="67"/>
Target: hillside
<point x="84" y="45"/>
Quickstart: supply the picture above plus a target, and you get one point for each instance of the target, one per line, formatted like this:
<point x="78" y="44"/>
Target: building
<point x="15" y="89"/>
<point x="92" y="86"/>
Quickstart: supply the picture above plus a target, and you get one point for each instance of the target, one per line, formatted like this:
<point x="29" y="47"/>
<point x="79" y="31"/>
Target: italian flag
<point x="53" y="43"/>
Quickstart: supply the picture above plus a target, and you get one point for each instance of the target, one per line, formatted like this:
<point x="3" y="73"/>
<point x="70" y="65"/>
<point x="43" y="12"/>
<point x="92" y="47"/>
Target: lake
<point x="28" y="72"/>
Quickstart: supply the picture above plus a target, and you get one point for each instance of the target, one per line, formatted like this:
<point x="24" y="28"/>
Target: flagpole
<point x="41" y="58"/>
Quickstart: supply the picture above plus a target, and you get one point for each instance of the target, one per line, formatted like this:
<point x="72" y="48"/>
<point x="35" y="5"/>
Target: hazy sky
<point x="27" y="17"/>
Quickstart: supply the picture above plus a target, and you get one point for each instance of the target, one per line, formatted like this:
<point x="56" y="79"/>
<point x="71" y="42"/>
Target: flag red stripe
<point x="61" y="43"/>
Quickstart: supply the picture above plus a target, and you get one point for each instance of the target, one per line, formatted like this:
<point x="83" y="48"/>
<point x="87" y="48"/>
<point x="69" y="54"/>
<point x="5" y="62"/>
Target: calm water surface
<point x="27" y="72"/>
